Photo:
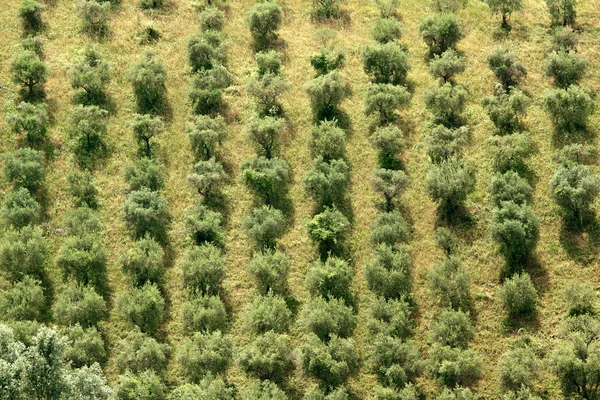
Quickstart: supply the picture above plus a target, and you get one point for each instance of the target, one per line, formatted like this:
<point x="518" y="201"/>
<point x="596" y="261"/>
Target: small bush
<point x="449" y="184"/>
<point x="267" y="178"/>
<point x="30" y="72"/>
<point x="566" y="68"/>
<point x="519" y="296"/>
<point x="203" y="270"/>
<point x="270" y="270"/>
<point x="211" y="19"/>
<point x="447" y="6"/>
<point x="152" y="4"/>
<point x="326" y="8"/>
<point x="446" y="65"/>
<point x="508" y="70"/>
<point x="265" y="90"/>
<point x="265" y="225"/>
<point x="505" y="8"/>
<point x="34" y="43"/>
<point x="269" y="313"/>
<point x="332" y="363"/>
<point x="204" y="314"/>
<point x="23" y="252"/>
<point x="569" y="109"/>
<point x="327" y="318"/>
<point x="146" y="128"/>
<point x="518" y="367"/>
<point x="562" y="12"/>
<point x="143" y="262"/>
<point x="86" y="346"/>
<point x="388" y="140"/>
<point x="386" y="63"/>
<point x="82" y="188"/>
<point x="268" y="357"/>
<point x="139" y="352"/>
<point x="268" y="62"/>
<point x="506" y="110"/>
<point x="388" y="274"/>
<point x="145" y="212"/>
<point x="446" y="240"/>
<point x="20" y="208"/>
<point x="87" y="134"/>
<point x="315" y="393"/>
<point x="326" y="92"/>
<point x="454" y="366"/>
<point x="264" y="134"/>
<point x="387" y="30"/>
<point x="144" y="175"/>
<point x="392" y="318"/>
<point x="143" y="307"/>
<point x="24" y="169"/>
<point x="509" y="152"/>
<point x="30" y="12"/>
<point x="576" y="153"/>
<point x="148" y="33"/>
<point x="264" y="19"/>
<point x="440" y="32"/>
<point x="329" y="229"/>
<point x="459" y="393"/>
<point x="206" y="50"/>
<point x="330" y="279"/>
<point x="206" y="89"/>
<point x="84" y="258"/>
<point x="446" y="143"/>
<point x="389" y="228"/>
<point x="391" y="184"/>
<point x="264" y="390"/>
<point x="452" y="328"/>
<point x="94" y="17"/>
<point x="209" y="388"/>
<point x="204" y="354"/>
<point x="23" y="301"/>
<point x="205" y="225"/>
<point x="565" y="39"/>
<point x="206" y="135"/>
<point x="387" y="8"/>
<point x="79" y="305"/>
<point x="384" y="99"/>
<point x="208" y="177"/>
<point x="449" y="282"/>
<point x="327" y="60"/>
<point x="31" y="121"/>
<point x="82" y="221"/>
<point x="516" y="229"/>
<point x="580" y="298"/>
<point x="575" y="188"/>
<point x="395" y="362"/>
<point x="447" y="103"/>
<point x="145" y="385"/>
<point x="509" y="186"/>
<point x="148" y="76"/>
<point x="327" y="181"/>
<point x="328" y="141"/>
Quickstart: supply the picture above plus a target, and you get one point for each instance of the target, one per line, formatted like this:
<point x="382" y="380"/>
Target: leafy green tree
<point x="152" y="4"/>
<point x="449" y="283"/>
<point x="391" y="184"/>
<point x="569" y="109"/>
<point x="31" y="121"/>
<point x="391" y="318"/>
<point x="204" y="313"/>
<point x="454" y="366"/>
<point x="576" y="153"/>
<point x="446" y="240"/>
<point x="87" y="133"/>
<point x="384" y="99"/>
<point x="387" y="8"/>
<point x="263" y="390"/>
<point x="447" y="103"/>
<point x="145" y="212"/>
<point x="82" y="188"/>
<point x="264" y="134"/>
<point x="82" y="221"/>
<point x="203" y="270"/>
<point x="328" y="141"/>
<point x="209" y="388"/>
<point x="386" y="63"/>
<point x="20" y="208"/>
<point x="566" y="68"/>
<point x="206" y="89"/>
<point x="327" y="318"/>
<point x="562" y="12"/>
<point x="24" y="169"/>
<point x="34" y="43"/>
<point x="327" y="181"/>
<point x="505" y="8"/>
<point x="264" y="19"/>
<point x="94" y="17"/>
<point x="508" y="70"/>
<point x="89" y="383"/>
<point x="86" y="346"/>
<point x="518" y="366"/>
<point x="268" y="357"/>
<point x="326" y="92"/>
<point x="509" y="152"/>
<point x="452" y="328"/>
<point x="269" y="313"/>
<point x="206" y="50"/>
<point x="330" y="279"/>
<point x="329" y="229"/>
<point x="396" y="363"/>
<point x="564" y="39"/>
<point x="326" y="8"/>
<point x="389" y="228"/>
<point x="204" y="354"/>
<point x="79" y="304"/>
<point x="506" y="110"/>
<point x="581" y="299"/>
<point x="30" y="12"/>
<point x="387" y="30"/>
<point x="449" y="184"/>
<point x="440" y="32"/>
<point x="388" y="273"/>
<point x="139" y="352"/>
<point x="388" y="140"/>
<point x="148" y="33"/>
<point x="206" y="135"/>
<point x="143" y="386"/>
<point x="211" y="19"/>
<point x="143" y="307"/>
<point x="447" y="6"/>
<point x="144" y="174"/>
<point x="146" y="128"/>
<point x="265" y="225"/>
<point x="207" y="178"/>
<point x="509" y="186"/>
<point x="23" y="252"/>
<point x="205" y="225"/>
<point x="144" y="262"/>
<point x="30" y="72"/>
<point x="516" y="229"/>
<point x="266" y="89"/>
<point x="328" y="59"/>
<point x="267" y="178"/>
<point x="148" y="77"/>
<point x="25" y="301"/>
<point x="446" y="65"/>
<point x="575" y="188"/>
<point x="519" y="296"/>
<point x="84" y="258"/>
<point x="268" y="62"/>
<point x="446" y="143"/>
<point x="270" y="269"/>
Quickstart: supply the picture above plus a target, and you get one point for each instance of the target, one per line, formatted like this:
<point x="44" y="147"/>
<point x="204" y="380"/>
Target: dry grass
<point x="560" y="260"/>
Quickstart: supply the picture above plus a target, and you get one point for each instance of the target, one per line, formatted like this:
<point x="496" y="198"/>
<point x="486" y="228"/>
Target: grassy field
<point x="560" y="257"/>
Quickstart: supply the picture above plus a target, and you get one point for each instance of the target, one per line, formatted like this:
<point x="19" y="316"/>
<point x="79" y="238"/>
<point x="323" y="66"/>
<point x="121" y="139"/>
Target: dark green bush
<point x="145" y="212"/>
<point x="144" y="174"/>
<point x="576" y="153"/>
<point x="328" y="141"/>
<point x="388" y="273"/>
<point x="211" y="19"/>
<point x="446" y="143"/>
<point x="509" y="186"/>
<point x="268" y="357"/>
<point x="327" y="182"/>
<point x="144" y="262"/>
<point x="518" y="366"/>
<point x="152" y="4"/>
<point x="505" y="8"/>
<point x="265" y="225"/>
<point x="203" y="313"/>
<point x="86" y="346"/>
<point x="267" y="178"/>
<point x="30" y="12"/>
<point x="446" y="240"/>
<point x="263" y="390"/>
<point x="386" y="63"/>
<point x="94" y="17"/>
<point x="20" y="208"/>
<point x="206" y="89"/>
<point x="391" y="184"/>
<point x="146" y="386"/>
<point x="268" y="62"/>
<point x="384" y="99"/>
<point x="24" y="168"/>
<point x="269" y="313"/>
<point x="82" y="221"/>
<point x="147" y="33"/>
<point x="447" y="104"/>
<point x="452" y="328"/>
<point x="329" y="229"/>
<point x="407" y="393"/>
<point x="506" y="110"/>
<point x="205" y="225"/>
<point x="440" y="32"/>
<point x="509" y="152"/>
<point x="328" y="59"/>
<point x="206" y="50"/>
<point x="315" y="393"/>
<point x="330" y="279"/>
<point x="454" y="366"/>
<point x="139" y="352"/>
<point x="396" y="363"/>
<point x="148" y="76"/>
<point x="34" y="43"/>
<point x="30" y="72"/>
<point x="459" y="393"/>
<point x="206" y="135"/>
<point x="31" y="121"/>
<point x="143" y="307"/>
<point x="516" y="229"/>
<point x="264" y="134"/>
<point x="386" y="30"/>
<point x="569" y="109"/>
<point x="84" y="258"/>
<point x="203" y="270"/>
<point x="581" y="298"/>
<point x="265" y="90"/>
<point x="519" y="296"/>
<point x="82" y="188"/>
<point x="23" y="252"/>
<point x="25" y="300"/>
<point x="209" y="388"/>
<point x="264" y="19"/>
<point x="208" y="176"/>
<point x="79" y="304"/>
<point x="389" y="228"/>
<point x="87" y="133"/>
<point x="388" y="140"/>
<point x="449" y="184"/>
<point x="449" y="283"/>
<point x="575" y="188"/>
<point x="565" y="39"/>
<point x="392" y="318"/>
<point x="566" y="68"/>
<point x="270" y="270"/>
<point x="446" y="65"/>
<point x="327" y="318"/>
<point x="146" y="128"/>
<point x="326" y="92"/>
<point x="326" y="8"/>
<point x="562" y="12"/>
<point x="508" y="70"/>
<point x="204" y="354"/>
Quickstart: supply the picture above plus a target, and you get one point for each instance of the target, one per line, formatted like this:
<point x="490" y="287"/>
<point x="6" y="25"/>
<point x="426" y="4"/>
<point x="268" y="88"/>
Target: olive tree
<point x="79" y="304"/>
<point x="31" y="121"/>
<point x="20" y="208"/>
<point x="268" y="357"/>
<point x="505" y="8"/>
<point x="566" y="68"/>
<point x="506" y="110"/>
<point x="328" y="59"/>
<point x="440" y="32"/>
<point x="328" y="141"/>
<point x="446" y="143"/>
<point x="80" y="185"/>
<point x="265" y="225"/>
<point x="148" y="77"/>
<point x="575" y="189"/>
<point x="516" y="228"/>
<point x="30" y="72"/>
<point x="206" y="50"/>
<point x="562" y="12"/>
<point x="145" y="212"/>
<point x="270" y="269"/>
<point x="449" y="184"/>
<point x="391" y="184"/>
<point x="203" y="354"/>
<point x="449" y="283"/>
<point x="267" y="178"/>
<point x="326" y="92"/>
<point x="446" y="65"/>
<point x="264" y="19"/>
<point x="387" y="30"/>
<point x="386" y="63"/>
<point x="206" y="135"/>
<point x="143" y="307"/>
<point x="94" y="17"/>
<point x="383" y="100"/>
<point x="87" y="133"/>
<point x="509" y="186"/>
<point x="84" y="258"/>
<point x="389" y="141"/>
<point x="146" y="128"/>
<point x="266" y="89"/>
<point x="23" y="252"/>
<point x="30" y="12"/>
<point x="447" y="103"/>
<point x="264" y="134"/>
<point x="24" y="168"/>
<point x="569" y="108"/>
<point x="519" y="296"/>
<point x="329" y="229"/>
<point x="207" y="177"/>
<point x="389" y="272"/>
<point x="144" y="262"/>
<point x="576" y="364"/>
<point x="327" y="181"/>
<point x="504" y="64"/>
<point x="204" y="224"/>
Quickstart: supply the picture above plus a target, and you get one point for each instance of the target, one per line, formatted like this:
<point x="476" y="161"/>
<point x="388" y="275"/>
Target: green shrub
<point x="205" y="225"/>
<point x="508" y="70"/>
<point x="330" y="279"/>
<point x="31" y="121"/>
<point x="569" y="109"/>
<point x="206" y="89"/>
<point x="23" y="252"/>
<point x="506" y="110"/>
<point x="265" y="90"/>
<point x="516" y="229"/>
<point x="79" y="304"/>
<point x="388" y="140"/>
<point x="204" y="313"/>
<point x="446" y="240"/>
<point x="396" y="363"/>
<point x="449" y="184"/>
<point x="94" y="17"/>
<point x="20" y="208"/>
<point x="25" y="300"/>
<point x="457" y="393"/>
<point x="329" y="229"/>
<point x="210" y="388"/>
<point x="84" y="258"/>
<point x="82" y="221"/>
<point x="24" y="168"/>
<point x="34" y="43"/>
<point x="388" y="273"/>
<point x="509" y="152"/>
<point x="145" y="174"/>
<point x="387" y="393"/>
<point x="454" y="366"/>
<point x="139" y="352"/>
<point x="144" y="262"/>
<point x="389" y="228"/>
<point x="206" y="50"/>
<point x="452" y="328"/>
<point x="267" y="178"/>
<point x="564" y="39"/>
<point x="576" y="365"/>
<point x="326" y="92"/>
<point x="206" y="135"/>
<point x="268" y="357"/>
<point x="387" y="30"/>
<point x="148" y="76"/>
<point x="509" y="186"/>
<point x="147" y="33"/>
<point x="562" y="12"/>
<point x="30" y="72"/>
<point x="150" y="4"/>
<point x="505" y="8"/>
<point x="145" y="212"/>
<point x="86" y="346"/>
<point x="270" y="269"/>
<point x="566" y="68"/>
<point x="146" y="128"/>
<point x="576" y="153"/>
<point x="326" y="8"/>
<point x="203" y="270"/>
<point x="580" y="298"/>
<point x="143" y="307"/>
<point x="315" y="393"/>
<point x="387" y="8"/>
<point x="519" y="296"/>
<point x="392" y="318"/>
<point x="82" y="188"/>
<point x="447" y="6"/>
<point x="143" y="386"/>
<point x="265" y="225"/>
<point x="204" y="354"/>
<point x="391" y="184"/>
<point x="327" y="318"/>
<point x="328" y="141"/>
<point x="446" y="143"/>
<point x="30" y="12"/>
<point x="327" y="182"/>
<point x="447" y="104"/>
<point x="264" y="134"/>
<point x="332" y="363"/>
<point x="328" y="59"/>
<point x="263" y="390"/>
<point x="87" y="133"/>
<point x="268" y="62"/>
<point x="575" y="189"/>
<point x="518" y="367"/>
<point x="384" y="99"/>
<point x="440" y="32"/>
<point x="386" y="63"/>
<point x="449" y="283"/>
<point x="269" y="313"/>
<point x="264" y="19"/>
<point x="211" y="19"/>
<point x="446" y="65"/>
<point x="208" y="177"/>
